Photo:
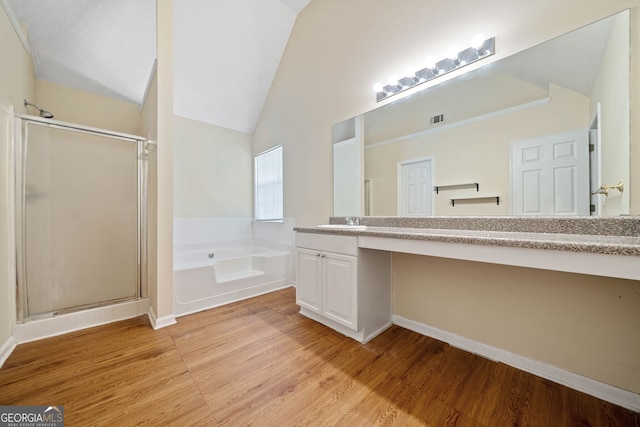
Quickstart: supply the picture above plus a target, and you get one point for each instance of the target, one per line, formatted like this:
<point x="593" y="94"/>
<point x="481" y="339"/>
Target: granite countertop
<point x="590" y="243"/>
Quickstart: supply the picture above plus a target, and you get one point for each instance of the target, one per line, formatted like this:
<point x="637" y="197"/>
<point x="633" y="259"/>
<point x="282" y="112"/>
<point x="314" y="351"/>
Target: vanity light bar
<point x="481" y="49"/>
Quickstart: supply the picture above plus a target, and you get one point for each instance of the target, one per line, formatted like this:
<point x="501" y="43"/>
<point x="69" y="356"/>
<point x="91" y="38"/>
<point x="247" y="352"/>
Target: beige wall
<point x="584" y="324"/>
<point x="77" y="106"/>
<point x="337" y="50"/>
<point x="213" y="171"/>
<point x="162" y="301"/>
<point x="17" y="82"/>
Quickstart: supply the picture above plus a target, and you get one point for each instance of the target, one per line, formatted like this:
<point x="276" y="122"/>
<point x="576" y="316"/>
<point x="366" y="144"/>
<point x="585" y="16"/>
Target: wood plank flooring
<point x="258" y="362"/>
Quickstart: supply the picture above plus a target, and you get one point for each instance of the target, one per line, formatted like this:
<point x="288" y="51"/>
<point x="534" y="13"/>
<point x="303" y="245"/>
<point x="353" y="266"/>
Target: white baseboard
<point x="361" y="335"/>
<point x="64" y="323"/>
<point x="368" y="336"/>
<point x="356" y="335"/>
<point x="6" y="350"/>
<point x="583" y="384"/>
<point x="160" y="322"/>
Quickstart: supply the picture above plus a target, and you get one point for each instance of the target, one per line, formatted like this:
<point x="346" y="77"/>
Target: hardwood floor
<point x="258" y="362"/>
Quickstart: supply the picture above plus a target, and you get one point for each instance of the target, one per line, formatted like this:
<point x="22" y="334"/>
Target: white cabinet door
<point x="309" y="287"/>
<point x="340" y="289"/>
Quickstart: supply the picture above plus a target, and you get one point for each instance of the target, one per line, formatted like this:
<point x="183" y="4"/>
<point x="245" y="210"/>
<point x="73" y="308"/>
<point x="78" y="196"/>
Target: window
<point x="268" y="190"/>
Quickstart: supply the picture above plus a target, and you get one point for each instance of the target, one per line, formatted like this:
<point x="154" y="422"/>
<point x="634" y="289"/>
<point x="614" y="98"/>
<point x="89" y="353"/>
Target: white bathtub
<point x="206" y="277"/>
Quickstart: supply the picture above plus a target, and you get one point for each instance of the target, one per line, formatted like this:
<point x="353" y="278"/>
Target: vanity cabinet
<point x="328" y="285"/>
<point x="342" y="286"/>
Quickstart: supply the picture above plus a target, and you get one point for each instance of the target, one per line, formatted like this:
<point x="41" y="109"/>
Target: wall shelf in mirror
<point x="439" y="188"/>
<point x="478" y="199"/>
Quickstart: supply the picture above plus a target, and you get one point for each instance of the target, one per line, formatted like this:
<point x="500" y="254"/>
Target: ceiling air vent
<point x="437" y="119"/>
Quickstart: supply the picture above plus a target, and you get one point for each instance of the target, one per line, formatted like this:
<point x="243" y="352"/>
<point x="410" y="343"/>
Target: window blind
<point x="268" y="185"/>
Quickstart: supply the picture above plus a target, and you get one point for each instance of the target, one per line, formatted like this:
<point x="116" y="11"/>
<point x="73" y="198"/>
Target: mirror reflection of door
<point x="415" y="181"/>
<point x="550" y="175"/>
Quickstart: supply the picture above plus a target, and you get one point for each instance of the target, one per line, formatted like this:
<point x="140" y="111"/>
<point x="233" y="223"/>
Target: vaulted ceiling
<point x="226" y="52"/>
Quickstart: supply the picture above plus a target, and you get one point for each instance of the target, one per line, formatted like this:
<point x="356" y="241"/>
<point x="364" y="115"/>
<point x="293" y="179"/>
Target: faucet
<point x="352" y="221"/>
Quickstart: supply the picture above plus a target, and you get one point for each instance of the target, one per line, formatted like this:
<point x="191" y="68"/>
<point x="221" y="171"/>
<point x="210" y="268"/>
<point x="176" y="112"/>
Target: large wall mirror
<point x="534" y="133"/>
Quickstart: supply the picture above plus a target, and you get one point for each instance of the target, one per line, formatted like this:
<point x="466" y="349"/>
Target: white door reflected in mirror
<point x="415" y="180"/>
<point x="550" y="175"/>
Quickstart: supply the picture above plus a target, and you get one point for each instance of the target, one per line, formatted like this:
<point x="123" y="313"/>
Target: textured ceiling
<point x="226" y="52"/>
<point x="104" y="47"/>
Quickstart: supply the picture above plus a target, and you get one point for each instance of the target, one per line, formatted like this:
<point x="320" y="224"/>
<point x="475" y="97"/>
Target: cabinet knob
<point x="318" y="254"/>
<point x="323" y="255"/>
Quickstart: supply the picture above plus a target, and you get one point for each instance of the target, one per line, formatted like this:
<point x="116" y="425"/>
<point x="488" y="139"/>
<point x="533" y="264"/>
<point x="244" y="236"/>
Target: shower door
<point x="77" y="219"/>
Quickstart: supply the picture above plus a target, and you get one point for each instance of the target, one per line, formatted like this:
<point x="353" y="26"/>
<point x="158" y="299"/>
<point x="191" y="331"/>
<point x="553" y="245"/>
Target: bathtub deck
<point x="229" y="277"/>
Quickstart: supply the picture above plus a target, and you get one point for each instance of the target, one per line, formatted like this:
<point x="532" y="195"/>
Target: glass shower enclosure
<point x="81" y="201"/>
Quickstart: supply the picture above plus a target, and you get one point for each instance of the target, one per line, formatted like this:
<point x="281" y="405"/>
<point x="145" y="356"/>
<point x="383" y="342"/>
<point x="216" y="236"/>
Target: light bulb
<point x="452" y="53"/>
<point x="393" y="81"/>
<point x="431" y="63"/>
<point x="377" y="87"/>
<point x="410" y="72"/>
<point x="477" y="41"/>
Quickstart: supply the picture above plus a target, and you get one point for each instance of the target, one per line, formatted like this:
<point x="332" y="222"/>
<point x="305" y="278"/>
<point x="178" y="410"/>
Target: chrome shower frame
<point x="20" y="140"/>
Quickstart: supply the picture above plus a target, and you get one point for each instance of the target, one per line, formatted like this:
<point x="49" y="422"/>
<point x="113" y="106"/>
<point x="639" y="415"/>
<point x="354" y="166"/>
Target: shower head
<point x="44" y="114"/>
